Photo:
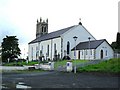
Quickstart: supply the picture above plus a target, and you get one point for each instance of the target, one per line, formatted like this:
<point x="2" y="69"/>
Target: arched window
<point x="106" y="52"/>
<point x="32" y="53"/>
<point x="55" y="51"/>
<point x="68" y="47"/>
<point x="42" y="29"/>
<point x="101" y="54"/>
<point x="48" y="50"/>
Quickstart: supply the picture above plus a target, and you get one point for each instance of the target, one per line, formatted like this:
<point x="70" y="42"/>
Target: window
<point x="55" y="51"/>
<point x="48" y="50"/>
<point x="91" y="52"/>
<point x="37" y="52"/>
<point x="44" y="29"/>
<point x="82" y="52"/>
<point x="68" y="47"/>
<point x="106" y="52"/>
<point x="42" y="48"/>
<point x="86" y="52"/>
<point x="32" y="53"/>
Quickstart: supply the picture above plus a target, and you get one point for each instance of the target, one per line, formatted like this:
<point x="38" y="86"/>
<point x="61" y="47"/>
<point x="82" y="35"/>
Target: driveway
<point x="56" y="79"/>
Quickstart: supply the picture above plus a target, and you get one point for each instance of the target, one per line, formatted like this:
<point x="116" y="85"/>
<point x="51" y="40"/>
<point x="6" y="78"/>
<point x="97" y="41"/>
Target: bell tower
<point x="41" y="27"/>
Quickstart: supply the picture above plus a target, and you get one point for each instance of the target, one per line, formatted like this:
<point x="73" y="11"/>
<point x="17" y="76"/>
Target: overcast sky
<point x="18" y="17"/>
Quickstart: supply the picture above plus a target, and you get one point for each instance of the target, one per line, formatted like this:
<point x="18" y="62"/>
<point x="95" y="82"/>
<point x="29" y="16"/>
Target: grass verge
<point x="63" y="62"/>
<point x="109" y="66"/>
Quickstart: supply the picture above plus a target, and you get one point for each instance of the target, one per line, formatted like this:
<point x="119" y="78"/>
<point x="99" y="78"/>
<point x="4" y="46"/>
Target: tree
<point x="118" y="41"/>
<point x="10" y="49"/>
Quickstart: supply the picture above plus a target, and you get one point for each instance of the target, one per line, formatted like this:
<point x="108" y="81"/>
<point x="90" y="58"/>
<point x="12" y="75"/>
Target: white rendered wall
<point x="32" y="53"/>
<point x="83" y="55"/>
<point x="51" y="43"/>
<point x="44" y="45"/>
<point x="56" y="41"/>
<point x="104" y="46"/>
<point x="78" y="31"/>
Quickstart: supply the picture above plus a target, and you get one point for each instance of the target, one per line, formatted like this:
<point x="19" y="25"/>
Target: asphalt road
<point x="56" y="79"/>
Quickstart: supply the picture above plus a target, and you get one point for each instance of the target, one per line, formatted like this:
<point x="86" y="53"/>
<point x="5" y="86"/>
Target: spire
<point x="37" y="20"/>
<point x="40" y="19"/>
<point x="80" y="21"/>
<point x="47" y="20"/>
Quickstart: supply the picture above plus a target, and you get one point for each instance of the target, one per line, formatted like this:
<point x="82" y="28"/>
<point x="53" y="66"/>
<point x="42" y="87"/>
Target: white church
<point x="64" y="42"/>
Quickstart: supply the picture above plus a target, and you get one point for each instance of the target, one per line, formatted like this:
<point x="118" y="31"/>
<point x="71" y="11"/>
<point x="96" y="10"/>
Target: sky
<point x="19" y="18"/>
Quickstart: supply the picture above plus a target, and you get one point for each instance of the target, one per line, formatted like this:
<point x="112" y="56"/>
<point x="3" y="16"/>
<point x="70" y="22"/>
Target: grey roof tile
<point x="51" y="35"/>
<point x="85" y="45"/>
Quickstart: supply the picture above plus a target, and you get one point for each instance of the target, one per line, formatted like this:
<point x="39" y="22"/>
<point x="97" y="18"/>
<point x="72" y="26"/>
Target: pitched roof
<point x="85" y="45"/>
<point x="51" y="35"/>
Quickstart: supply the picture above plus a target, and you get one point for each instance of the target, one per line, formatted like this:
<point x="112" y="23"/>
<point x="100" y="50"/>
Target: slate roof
<point x="85" y="45"/>
<point x="51" y="35"/>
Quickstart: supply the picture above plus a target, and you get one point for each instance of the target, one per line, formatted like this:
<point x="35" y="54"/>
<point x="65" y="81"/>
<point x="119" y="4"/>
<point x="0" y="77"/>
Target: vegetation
<point x="10" y="49"/>
<point x="20" y="63"/>
<point x="63" y="62"/>
<point x="111" y="66"/>
<point x="116" y="45"/>
<point x="23" y="71"/>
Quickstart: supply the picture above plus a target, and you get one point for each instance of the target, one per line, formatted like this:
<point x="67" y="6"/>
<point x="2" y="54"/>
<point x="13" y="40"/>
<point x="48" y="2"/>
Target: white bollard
<point x="69" y="66"/>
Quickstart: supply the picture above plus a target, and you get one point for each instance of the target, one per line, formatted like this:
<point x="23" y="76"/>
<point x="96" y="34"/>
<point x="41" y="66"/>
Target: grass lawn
<point x="110" y="66"/>
<point x="63" y="62"/>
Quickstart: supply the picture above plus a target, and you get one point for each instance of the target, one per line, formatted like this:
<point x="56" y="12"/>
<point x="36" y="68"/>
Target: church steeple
<point x="41" y="27"/>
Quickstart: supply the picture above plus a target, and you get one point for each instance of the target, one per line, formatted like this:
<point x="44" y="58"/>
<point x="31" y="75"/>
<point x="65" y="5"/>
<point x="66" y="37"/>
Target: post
<point x="75" y="38"/>
<point x="75" y="58"/>
<point x="89" y="47"/>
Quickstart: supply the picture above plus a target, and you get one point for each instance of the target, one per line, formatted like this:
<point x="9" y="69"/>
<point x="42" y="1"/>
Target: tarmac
<point x="56" y="79"/>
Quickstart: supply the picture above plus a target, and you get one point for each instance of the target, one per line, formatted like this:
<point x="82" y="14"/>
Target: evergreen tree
<point x="118" y="40"/>
<point x="10" y="48"/>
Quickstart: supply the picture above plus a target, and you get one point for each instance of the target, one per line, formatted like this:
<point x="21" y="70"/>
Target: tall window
<point x="86" y="52"/>
<point x="82" y="52"/>
<point x="37" y="52"/>
<point x="44" y="29"/>
<point x="32" y="53"/>
<point x="91" y="51"/>
<point x="55" y="51"/>
<point x="68" y="47"/>
<point x="106" y="52"/>
<point x="48" y="50"/>
<point x="42" y="48"/>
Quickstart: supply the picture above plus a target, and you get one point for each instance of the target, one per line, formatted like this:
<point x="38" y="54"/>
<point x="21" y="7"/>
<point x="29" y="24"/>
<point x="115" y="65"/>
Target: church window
<point x="48" y="50"/>
<point x="86" y="52"/>
<point x="55" y="51"/>
<point x="42" y="48"/>
<point x="82" y="52"/>
<point x="106" y="52"/>
<point x="91" y="52"/>
<point x="32" y="53"/>
<point x="44" y="29"/>
<point x="68" y="47"/>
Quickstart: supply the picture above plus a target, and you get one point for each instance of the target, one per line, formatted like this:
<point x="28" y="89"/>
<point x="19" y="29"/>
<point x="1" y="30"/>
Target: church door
<point x="101" y="54"/>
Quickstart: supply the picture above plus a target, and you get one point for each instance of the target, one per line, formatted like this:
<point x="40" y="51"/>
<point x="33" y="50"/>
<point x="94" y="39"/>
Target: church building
<point x="64" y="42"/>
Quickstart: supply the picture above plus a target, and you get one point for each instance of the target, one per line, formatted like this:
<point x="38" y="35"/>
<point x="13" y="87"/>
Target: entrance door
<point x="101" y="54"/>
<point x="78" y="54"/>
